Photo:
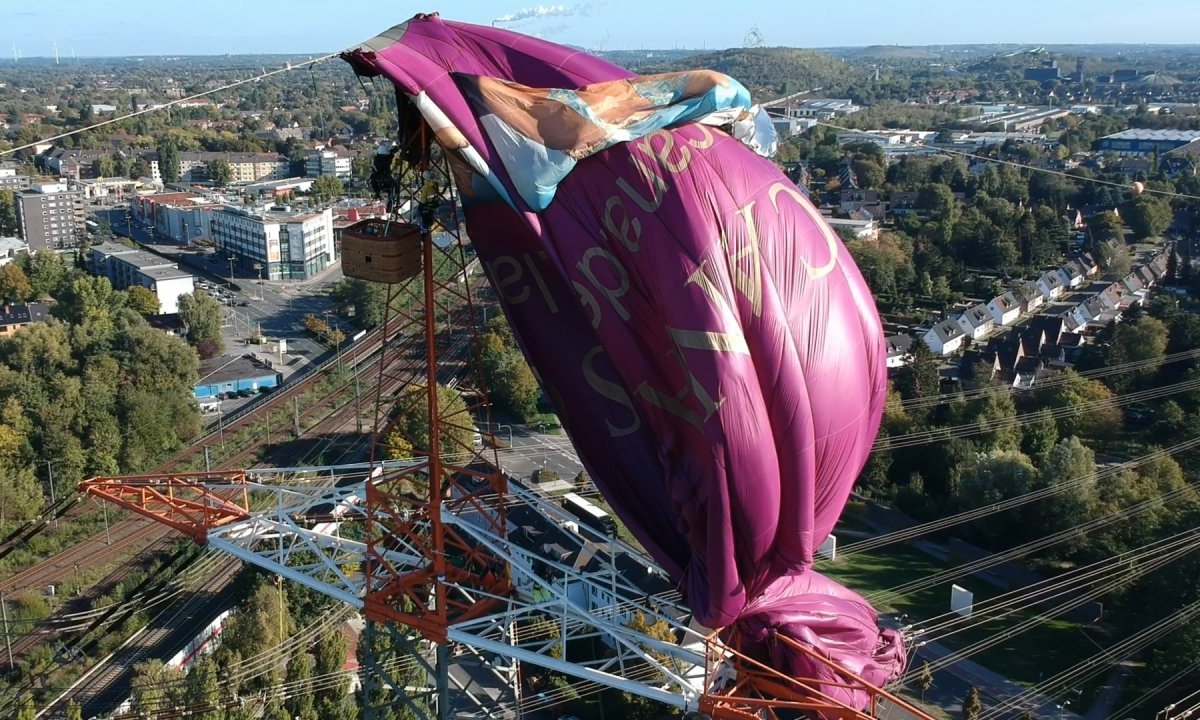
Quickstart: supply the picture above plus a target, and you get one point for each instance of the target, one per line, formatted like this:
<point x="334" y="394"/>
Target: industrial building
<point x="276" y="244"/>
<point x="125" y="267"/>
<point x="1143" y="141"/>
<point x="51" y="216"/>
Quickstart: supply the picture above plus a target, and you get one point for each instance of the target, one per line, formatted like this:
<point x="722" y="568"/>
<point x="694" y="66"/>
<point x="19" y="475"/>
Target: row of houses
<point x="977" y="322"/>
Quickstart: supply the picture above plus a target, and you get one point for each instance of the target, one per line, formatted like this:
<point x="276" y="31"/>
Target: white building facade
<point x="125" y="267"/>
<point x="275" y="245"/>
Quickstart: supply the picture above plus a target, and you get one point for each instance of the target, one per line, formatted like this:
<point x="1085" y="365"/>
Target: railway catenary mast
<point x="423" y="548"/>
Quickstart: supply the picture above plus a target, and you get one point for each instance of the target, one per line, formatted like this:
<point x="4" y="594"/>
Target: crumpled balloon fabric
<point x="708" y="343"/>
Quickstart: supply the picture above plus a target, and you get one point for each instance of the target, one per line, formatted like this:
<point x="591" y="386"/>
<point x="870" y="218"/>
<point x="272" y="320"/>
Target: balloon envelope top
<point x="705" y="337"/>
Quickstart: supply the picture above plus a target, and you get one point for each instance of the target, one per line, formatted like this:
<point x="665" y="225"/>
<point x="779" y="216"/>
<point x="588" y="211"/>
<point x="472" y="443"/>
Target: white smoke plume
<point x="540" y="11"/>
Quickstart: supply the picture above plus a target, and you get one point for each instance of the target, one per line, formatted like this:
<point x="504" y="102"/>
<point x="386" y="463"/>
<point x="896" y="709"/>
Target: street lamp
<point x="231" y="272"/>
<point x="259" y="267"/>
<point x="501" y="426"/>
<point x="1164" y="711"/>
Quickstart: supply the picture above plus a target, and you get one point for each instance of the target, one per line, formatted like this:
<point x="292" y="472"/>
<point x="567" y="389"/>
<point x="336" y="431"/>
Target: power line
<point x="1121" y="514"/>
<point x="1023" y="166"/>
<point x="1024" y="499"/>
<point x="170" y="103"/>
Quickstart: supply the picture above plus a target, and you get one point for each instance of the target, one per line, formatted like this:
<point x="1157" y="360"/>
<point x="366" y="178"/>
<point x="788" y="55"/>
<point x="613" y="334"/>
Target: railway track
<point x="102" y="692"/>
<point x="53" y="570"/>
<point x="409" y="362"/>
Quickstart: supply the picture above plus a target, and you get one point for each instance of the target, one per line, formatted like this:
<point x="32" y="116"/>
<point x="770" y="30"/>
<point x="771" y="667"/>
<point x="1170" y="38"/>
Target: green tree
<point x="1039" y="434"/>
<point x="1107" y="227"/>
<point x="1142" y="341"/>
<point x="220" y="172"/>
<point x="990" y="479"/>
<point x="8" y="213"/>
<point x="327" y="188"/>
<point x="142" y="300"/>
<point x="14" y="284"/>
<point x="46" y="271"/>
<point x="201" y="315"/>
<point x="920" y="377"/>
<point x="74" y="711"/>
<point x="202" y="692"/>
<point x="168" y="161"/>
<point x="330" y="657"/>
<point x="925" y="679"/>
<point x="1114" y="258"/>
<point x="972" y="705"/>
<point x="458" y="429"/>
<point x="300" y="700"/>
<point x="366" y="301"/>
<point x="1087" y="405"/>
<point x="1149" y="216"/>
<point x="26" y="710"/>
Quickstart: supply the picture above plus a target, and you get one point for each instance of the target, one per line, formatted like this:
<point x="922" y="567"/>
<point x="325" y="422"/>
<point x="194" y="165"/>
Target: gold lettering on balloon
<point x="826" y="233"/>
<point x="747" y="279"/>
<point x="706" y="141"/>
<point x="541" y="283"/>
<point x="685" y="153"/>
<point x="612" y="391"/>
<point x="648" y="169"/>
<point x="588" y="300"/>
<point x="614" y="294"/>
<point x="627" y="224"/>
<point x="675" y="404"/>
<point x="504" y="282"/>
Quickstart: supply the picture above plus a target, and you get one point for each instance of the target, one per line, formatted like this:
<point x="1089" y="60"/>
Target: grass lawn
<point x="1037" y="653"/>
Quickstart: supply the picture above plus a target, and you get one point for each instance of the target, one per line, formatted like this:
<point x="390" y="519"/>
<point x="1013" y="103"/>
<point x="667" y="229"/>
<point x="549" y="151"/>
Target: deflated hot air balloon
<point x="710" y="346"/>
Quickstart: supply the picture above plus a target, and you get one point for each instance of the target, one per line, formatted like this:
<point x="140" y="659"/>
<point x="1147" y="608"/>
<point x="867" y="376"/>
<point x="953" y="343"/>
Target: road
<point x="276" y="309"/>
<point x="531" y="450"/>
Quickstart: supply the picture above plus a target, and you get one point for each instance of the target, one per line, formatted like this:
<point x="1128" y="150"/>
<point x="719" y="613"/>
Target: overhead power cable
<point x="1055" y="489"/>
<point x="170" y="103"/>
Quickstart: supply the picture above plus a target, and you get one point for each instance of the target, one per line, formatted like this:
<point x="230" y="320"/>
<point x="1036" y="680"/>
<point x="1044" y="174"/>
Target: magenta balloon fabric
<point x="709" y="345"/>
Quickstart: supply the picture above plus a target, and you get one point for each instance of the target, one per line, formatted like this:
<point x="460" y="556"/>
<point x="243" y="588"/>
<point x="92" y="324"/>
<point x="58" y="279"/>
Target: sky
<point x="173" y="27"/>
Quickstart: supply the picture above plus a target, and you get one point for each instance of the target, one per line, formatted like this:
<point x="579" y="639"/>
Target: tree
<point x="412" y="420"/>
<point x="1144" y="341"/>
<point x="202" y="692"/>
<point x="46" y="271"/>
<point x="365" y="300"/>
<point x="1090" y="409"/>
<point x="920" y="377"/>
<point x="1039" y="434"/>
<point x="330" y="657"/>
<point x="925" y="679"/>
<point x="300" y="676"/>
<point x="142" y="300"/>
<point x="1149" y="216"/>
<point x="14" y="284"/>
<point x="74" y="711"/>
<point x="398" y="446"/>
<point x="27" y="710"/>
<point x="220" y="172"/>
<point x="326" y="188"/>
<point x="8" y="213"/>
<point x="972" y="706"/>
<point x="1107" y="227"/>
<point x="1114" y="259"/>
<point x="168" y="161"/>
<point x="201" y="315"/>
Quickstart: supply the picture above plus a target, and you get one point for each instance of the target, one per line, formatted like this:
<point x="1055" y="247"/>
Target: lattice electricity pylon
<point x="570" y="584"/>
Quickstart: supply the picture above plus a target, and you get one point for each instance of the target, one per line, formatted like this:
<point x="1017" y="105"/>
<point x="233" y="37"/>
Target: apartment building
<point x="51" y="216"/>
